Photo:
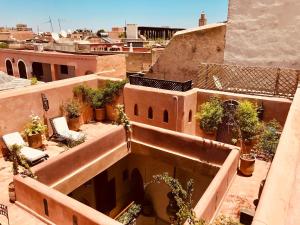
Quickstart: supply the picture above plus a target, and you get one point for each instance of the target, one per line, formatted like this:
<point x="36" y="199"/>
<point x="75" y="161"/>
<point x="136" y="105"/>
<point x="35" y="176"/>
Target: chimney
<point x="202" y="20"/>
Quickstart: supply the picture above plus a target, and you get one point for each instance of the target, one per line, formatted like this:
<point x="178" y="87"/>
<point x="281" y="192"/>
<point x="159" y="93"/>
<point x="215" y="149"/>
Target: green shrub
<point x="132" y="213"/>
<point x="268" y="139"/>
<point x="247" y="120"/>
<point x="73" y="109"/>
<point x="98" y="99"/>
<point x="210" y="115"/>
<point x="33" y="80"/>
<point x="85" y="92"/>
<point x="3" y="45"/>
<point x="112" y="89"/>
<point x="225" y="220"/>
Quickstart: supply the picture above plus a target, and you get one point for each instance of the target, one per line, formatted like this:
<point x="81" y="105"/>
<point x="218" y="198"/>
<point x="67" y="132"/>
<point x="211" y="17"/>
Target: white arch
<point x="12" y="65"/>
<point x="21" y="60"/>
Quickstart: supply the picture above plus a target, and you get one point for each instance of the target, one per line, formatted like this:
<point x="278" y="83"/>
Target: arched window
<point x="166" y="116"/>
<point x="190" y="116"/>
<point x="9" y="67"/>
<point x="150" y="113"/>
<point x="136" y="110"/>
<point x="22" y="70"/>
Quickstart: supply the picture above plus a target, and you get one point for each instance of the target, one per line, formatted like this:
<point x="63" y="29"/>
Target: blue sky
<point x="96" y="14"/>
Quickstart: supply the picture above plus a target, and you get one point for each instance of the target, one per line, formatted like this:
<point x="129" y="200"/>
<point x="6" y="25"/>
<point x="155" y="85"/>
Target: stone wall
<point x="263" y="33"/>
<point x="189" y="48"/>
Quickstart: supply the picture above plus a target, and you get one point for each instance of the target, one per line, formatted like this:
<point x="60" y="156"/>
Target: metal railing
<point x="161" y="84"/>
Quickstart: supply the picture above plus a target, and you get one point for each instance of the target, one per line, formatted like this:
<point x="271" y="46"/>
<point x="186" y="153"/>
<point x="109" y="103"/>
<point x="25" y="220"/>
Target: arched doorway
<point x="9" y="67"/>
<point x="22" y="69"/>
<point x="137" y="186"/>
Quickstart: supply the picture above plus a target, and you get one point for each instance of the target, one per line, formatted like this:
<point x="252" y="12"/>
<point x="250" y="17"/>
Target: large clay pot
<point x="209" y="135"/>
<point x="11" y="192"/>
<point x="247" y="163"/>
<point x="87" y="113"/>
<point x="74" y="123"/>
<point x="35" y="140"/>
<point x="111" y="112"/>
<point x="100" y="114"/>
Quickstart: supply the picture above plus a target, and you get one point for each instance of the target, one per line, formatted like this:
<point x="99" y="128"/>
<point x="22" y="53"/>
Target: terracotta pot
<point x="100" y="114"/>
<point x="111" y="113"/>
<point x="247" y="163"/>
<point x="35" y="141"/>
<point x="209" y="135"/>
<point x="87" y="113"/>
<point x="74" y="123"/>
<point x="11" y="192"/>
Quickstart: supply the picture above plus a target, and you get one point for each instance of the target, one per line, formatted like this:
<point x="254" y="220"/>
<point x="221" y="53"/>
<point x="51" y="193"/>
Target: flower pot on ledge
<point x="100" y="114"/>
<point x="87" y="113"/>
<point x="35" y="140"/>
<point x="247" y="164"/>
<point x="74" y="123"/>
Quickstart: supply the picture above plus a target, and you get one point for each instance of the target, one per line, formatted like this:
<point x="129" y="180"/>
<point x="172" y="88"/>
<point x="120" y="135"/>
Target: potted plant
<point x="84" y="94"/>
<point x="112" y="97"/>
<point x="73" y="113"/>
<point x="34" y="130"/>
<point x="247" y="126"/>
<point x="210" y="117"/>
<point x="267" y="144"/>
<point x="98" y="104"/>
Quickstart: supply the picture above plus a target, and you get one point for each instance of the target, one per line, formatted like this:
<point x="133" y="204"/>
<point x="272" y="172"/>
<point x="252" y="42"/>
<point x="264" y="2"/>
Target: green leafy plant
<point x="3" y="45"/>
<point x="33" y="80"/>
<point x="72" y="143"/>
<point x="247" y="122"/>
<point x="73" y="109"/>
<point x="112" y="89"/>
<point x="132" y="213"/>
<point x="183" y="200"/>
<point x="19" y="161"/>
<point x="35" y="126"/>
<point x="210" y="115"/>
<point x="225" y="220"/>
<point x="268" y="140"/>
<point x="84" y="91"/>
<point x="98" y="99"/>
<point x="122" y="117"/>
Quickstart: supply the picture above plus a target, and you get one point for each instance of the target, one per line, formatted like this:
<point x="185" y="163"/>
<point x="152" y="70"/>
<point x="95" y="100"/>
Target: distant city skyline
<point x="100" y="14"/>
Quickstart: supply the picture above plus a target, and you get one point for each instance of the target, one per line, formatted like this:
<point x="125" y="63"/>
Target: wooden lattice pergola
<point x="279" y="82"/>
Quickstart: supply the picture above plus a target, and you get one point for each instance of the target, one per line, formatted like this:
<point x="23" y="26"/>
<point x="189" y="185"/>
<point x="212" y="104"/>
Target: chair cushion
<point x="13" y="138"/>
<point x="32" y="154"/>
<point x="74" y="135"/>
<point x="60" y="125"/>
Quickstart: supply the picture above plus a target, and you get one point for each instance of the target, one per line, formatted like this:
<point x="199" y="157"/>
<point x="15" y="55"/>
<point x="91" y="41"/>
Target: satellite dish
<point x="55" y="36"/>
<point x="63" y="33"/>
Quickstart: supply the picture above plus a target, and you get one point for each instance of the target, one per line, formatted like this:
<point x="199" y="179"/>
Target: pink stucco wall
<point x="264" y="33"/>
<point x="83" y="64"/>
<point x="177" y="104"/>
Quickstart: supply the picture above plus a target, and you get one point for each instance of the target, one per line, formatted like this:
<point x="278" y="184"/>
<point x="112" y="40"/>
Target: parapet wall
<point x="279" y="202"/>
<point x="180" y="59"/>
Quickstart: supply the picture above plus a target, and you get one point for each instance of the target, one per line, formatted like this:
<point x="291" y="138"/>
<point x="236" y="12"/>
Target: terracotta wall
<point x="264" y="33"/>
<point x="82" y="63"/>
<point x="177" y="104"/>
<point x="180" y="59"/>
<point x="279" y="203"/>
<point x="138" y="62"/>
<point x="114" y="64"/>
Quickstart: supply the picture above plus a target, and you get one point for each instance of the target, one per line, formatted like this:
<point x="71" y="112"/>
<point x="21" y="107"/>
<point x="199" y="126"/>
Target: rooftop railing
<point x="248" y="80"/>
<point x="161" y="84"/>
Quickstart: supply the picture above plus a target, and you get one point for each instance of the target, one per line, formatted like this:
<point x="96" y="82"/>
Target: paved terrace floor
<point x="17" y="215"/>
<point x="243" y="191"/>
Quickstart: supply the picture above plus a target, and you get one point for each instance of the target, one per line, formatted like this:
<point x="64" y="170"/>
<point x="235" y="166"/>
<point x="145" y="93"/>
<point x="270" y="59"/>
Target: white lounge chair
<point x="62" y="131"/>
<point x="33" y="156"/>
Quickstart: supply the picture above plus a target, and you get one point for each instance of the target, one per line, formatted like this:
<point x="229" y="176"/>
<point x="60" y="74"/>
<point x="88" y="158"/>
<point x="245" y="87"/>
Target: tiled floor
<point x="17" y="215"/>
<point x="243" y="191"/>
